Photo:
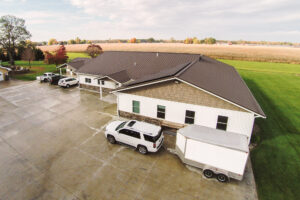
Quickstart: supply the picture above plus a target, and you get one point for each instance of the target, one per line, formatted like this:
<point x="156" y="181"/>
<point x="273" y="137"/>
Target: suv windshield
<point x="130" y="124"/>
<point x="150" y="138"/>
<point x="121" y="125"/>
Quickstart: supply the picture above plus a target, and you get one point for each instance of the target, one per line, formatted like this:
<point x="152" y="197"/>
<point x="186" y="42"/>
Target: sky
<point x="256" y="20"/>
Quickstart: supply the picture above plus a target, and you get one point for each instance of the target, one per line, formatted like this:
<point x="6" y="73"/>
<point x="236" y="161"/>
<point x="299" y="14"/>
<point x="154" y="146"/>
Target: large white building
<point x="174" y="90"/>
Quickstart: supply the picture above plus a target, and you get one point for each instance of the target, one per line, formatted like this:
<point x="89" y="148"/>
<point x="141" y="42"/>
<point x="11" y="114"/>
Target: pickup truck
<point x="53" y="80"/>
<point x="45" y="77"/>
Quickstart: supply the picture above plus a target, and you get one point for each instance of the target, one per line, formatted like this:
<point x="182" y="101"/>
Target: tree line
<point x="188" y="40"/>
<point x="77" y="40"/>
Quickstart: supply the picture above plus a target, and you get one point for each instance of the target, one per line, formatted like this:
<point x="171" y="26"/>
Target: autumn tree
<point x="59" y="57"/>
<point x="52" y="41"/>
<point x="28" y="55"/>
<point x="94" y="50"/>
<point x="12" y="32"/>
<point x="188" y="41"/>
<point x="132" y="40"/>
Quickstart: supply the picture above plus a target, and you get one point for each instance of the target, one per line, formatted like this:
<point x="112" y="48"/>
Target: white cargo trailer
<point x="219" y="153"/>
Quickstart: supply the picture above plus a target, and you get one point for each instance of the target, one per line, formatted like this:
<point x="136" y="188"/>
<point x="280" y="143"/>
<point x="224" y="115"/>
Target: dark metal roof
<point x="222" y="80"/>
<point x="162" y="74"/>
<point x="121" y="76"/>
<point x="137" y="64"/>
<point x="78" y="62"/>
<point x="203" y="72"/>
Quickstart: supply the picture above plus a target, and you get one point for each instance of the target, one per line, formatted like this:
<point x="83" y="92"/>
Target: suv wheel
<point x="111" y="139"/>
<point x="142" y="149"/>
<point x="68" y="85"/>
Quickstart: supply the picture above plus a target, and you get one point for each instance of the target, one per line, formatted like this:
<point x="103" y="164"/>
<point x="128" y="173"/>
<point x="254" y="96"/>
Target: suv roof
<point x="67" y="78"/>
<point x="146" y="128"/>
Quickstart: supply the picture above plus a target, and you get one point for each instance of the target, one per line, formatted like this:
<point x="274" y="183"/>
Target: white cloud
<point x="184" y="18"/>
<point x="103" y="19"/>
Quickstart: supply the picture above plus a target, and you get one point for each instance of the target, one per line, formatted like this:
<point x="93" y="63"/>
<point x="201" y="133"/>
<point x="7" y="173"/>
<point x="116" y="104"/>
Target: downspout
<point x="100" y="91"/>
<point x="118" y="104"/>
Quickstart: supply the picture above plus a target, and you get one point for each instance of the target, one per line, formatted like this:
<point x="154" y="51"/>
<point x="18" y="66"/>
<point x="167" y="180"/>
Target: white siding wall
<point x="94" y="82"/>
<point x="238" y="122"/>
<point x="109" y="84"/>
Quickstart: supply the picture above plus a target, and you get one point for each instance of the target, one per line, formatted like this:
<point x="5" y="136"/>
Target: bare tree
<point x="28" y="55"/>
<point x="94" y="50"/>
<point x="12" y="32"/>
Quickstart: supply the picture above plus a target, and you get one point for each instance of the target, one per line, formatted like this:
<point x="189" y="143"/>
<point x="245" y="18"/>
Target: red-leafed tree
<point x="132" y="40"/>
<point x="59" y="57"/>
<point x="94" y="50"/>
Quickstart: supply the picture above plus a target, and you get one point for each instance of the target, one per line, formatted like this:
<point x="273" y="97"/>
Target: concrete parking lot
<point x="52" y="146"/>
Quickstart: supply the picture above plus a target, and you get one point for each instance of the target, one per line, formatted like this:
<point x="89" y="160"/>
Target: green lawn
<point x="276" y="159"/>
<point x="75" y="55"/>
<point x="39" y="67"/>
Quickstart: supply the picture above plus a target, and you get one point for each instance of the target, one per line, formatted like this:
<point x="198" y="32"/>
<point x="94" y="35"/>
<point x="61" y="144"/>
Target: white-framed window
<point x="222" y="122"/>
<point x="88" y="80"/>
<point x="189" y="117"/>
<point x="135" y="106"/>
<point x="161" y="111"/>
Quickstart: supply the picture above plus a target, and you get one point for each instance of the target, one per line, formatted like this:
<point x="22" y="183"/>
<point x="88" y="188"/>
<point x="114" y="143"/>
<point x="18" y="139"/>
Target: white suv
<point x="67" y="82"/>
<point x="143" y="136"/>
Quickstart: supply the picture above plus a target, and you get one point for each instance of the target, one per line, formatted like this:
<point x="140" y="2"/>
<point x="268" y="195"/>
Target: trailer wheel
<point x="222" y="178"/>
<point x="208" y="173"/>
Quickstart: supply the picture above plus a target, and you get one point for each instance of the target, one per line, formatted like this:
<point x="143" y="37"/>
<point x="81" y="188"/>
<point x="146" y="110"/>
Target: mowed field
<point x="276" y="159"/>
<point x="231" y="52"/>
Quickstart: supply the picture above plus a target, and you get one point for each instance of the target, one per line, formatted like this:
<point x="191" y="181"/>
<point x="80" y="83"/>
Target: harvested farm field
<point x="232" y="52"/>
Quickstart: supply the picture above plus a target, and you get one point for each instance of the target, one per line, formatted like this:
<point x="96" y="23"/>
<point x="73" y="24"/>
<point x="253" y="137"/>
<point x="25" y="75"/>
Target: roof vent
<point x="134" y="63"/>
<point x="157" y="54"/>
